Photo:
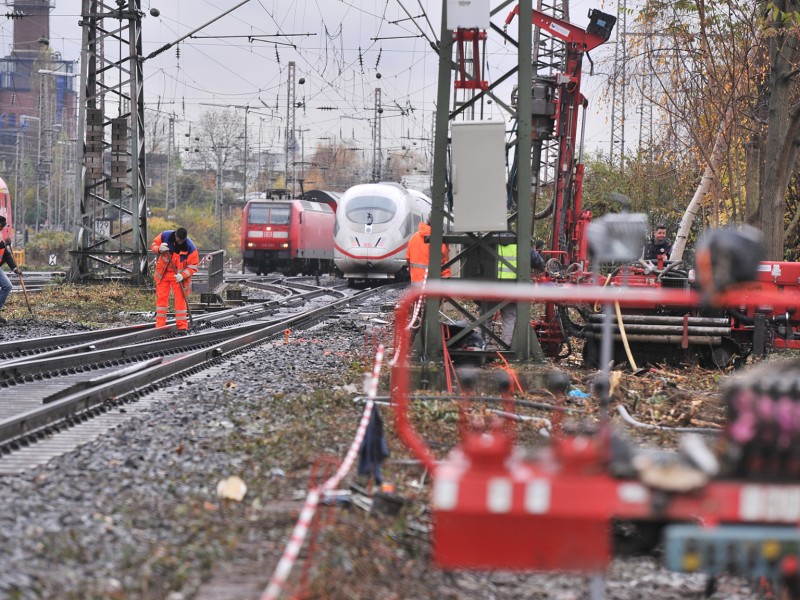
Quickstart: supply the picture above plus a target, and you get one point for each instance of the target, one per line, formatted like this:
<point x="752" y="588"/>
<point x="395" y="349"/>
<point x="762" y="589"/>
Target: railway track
<point x="35" y="281"/>
<point x="66" y="389"/>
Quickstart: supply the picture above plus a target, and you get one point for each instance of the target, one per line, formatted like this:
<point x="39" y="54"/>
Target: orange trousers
<point x="163" y="288"/>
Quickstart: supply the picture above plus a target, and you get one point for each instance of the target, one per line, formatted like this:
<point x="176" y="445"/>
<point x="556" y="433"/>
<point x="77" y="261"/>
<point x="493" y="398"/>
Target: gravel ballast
<point x="135" y="513"/>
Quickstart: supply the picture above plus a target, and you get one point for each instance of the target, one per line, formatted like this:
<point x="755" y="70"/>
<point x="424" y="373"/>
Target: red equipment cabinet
<point x="290" y="236"/>
<point x="497" y="508"/>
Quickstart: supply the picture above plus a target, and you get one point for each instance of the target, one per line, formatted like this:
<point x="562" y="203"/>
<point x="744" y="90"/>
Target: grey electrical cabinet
<point x="479" y="176"/>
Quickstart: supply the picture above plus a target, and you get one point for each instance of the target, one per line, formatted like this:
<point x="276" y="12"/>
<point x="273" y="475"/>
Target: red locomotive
<point x="287" y="236"/>
<point x="5" y="210"/>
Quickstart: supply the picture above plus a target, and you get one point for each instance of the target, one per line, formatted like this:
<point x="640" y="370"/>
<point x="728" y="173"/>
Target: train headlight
<point x="691" y="562"/>
<point x="771" y="550"/>
<point x="284" y="245"/>
<point x="250" y="245"/>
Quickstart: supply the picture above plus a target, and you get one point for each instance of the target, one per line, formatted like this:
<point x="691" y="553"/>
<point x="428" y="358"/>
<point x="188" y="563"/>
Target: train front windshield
<point x="369" y="210"/>
<point x="273" y="214"/>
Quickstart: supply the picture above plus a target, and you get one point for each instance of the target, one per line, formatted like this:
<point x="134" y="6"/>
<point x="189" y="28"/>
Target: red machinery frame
<point x="774" y="329"/>
<point x="569" y="187"/>
<point x="495" y="509"/>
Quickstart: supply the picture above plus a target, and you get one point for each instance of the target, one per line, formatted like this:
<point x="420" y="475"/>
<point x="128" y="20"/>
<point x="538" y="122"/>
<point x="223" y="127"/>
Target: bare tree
<point x="702" y="63"/>
<point x="336" y="167"/>
<point x="403" y="162"/>
<point x="221" y="133"/>
<point x="156" y="126"/>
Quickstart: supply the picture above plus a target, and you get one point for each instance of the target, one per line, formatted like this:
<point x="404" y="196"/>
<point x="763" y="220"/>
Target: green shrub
<point x="41" y="245"/>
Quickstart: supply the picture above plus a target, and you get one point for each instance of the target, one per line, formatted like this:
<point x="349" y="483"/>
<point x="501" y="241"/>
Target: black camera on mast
<point x="600" y="24"/>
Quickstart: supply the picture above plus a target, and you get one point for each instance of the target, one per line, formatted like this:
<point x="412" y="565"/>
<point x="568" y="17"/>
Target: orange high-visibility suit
<point x="418" y="255"/>
<point x="180" y="259"/>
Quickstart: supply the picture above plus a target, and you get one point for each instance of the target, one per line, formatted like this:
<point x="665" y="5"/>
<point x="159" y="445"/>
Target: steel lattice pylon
<point x="110" y="232"/>
<point x="618" y="88"/>
<point x="376" y="138"/>
<point x="291" y="139"/>
<point x="549" y="54"/>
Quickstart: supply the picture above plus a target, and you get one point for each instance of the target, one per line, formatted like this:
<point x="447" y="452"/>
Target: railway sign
<point x="103" y="227"/>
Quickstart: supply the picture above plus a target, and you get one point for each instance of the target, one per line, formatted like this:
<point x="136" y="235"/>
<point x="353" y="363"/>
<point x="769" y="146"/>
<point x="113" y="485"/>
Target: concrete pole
<point x="38" y="166"/>
<point x="244" y="188"/>
<point x="18" y="195"/>
<point x="432" y="341"/>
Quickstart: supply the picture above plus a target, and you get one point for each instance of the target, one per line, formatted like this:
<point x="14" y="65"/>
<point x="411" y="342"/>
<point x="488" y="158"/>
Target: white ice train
<point x="374" y="222"/>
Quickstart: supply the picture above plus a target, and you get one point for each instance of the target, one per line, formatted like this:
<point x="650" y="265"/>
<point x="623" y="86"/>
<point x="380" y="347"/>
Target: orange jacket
<point x="418" y="255"/>
<point x="181" y="258"/>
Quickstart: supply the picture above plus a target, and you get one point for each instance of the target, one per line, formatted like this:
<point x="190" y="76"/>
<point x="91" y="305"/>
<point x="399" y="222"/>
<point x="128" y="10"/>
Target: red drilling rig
<point x="715" y="336"/>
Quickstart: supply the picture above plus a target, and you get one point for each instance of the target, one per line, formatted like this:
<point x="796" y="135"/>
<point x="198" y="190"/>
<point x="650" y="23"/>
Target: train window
<point x="268" y="214"/>
<point x="370" y="209"/>
<point x="279" y="215"/>
<point x="258" y="214"/>
<point x="409" y="226"/>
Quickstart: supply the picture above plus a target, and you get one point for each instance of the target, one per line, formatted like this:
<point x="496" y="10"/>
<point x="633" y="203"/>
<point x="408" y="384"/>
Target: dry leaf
<point x="614" y="379"/>
<point x="232" y="488"/>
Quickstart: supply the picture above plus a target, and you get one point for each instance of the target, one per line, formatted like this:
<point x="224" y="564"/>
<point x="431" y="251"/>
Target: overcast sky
<point x="332" y="44"/>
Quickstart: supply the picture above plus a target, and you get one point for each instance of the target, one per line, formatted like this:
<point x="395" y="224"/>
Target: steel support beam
<point x="110" y="230"/>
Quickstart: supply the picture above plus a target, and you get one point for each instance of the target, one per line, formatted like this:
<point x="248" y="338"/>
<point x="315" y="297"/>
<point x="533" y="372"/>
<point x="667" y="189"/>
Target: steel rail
<point x="39" y="367"/>
<point x="20" y="350"/>
<point x="38" y="422"/>
<point x="14" y="348"/>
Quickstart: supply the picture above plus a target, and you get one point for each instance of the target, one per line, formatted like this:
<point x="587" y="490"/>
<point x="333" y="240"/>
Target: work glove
<point x="163" y="248"/>
<point x="17" y="271"/>
<point x="178" y="277"/>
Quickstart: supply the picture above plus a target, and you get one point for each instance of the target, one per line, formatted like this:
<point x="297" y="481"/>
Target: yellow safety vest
<point x="509" y="252"/>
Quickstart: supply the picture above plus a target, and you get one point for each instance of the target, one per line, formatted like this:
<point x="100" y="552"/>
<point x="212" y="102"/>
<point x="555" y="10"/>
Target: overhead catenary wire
<point x="322" y="60"/>
<point x="321" y="68"/>
<point x="203" y="26"/>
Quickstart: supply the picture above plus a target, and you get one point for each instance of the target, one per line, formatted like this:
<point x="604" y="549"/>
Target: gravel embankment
<point x="135" y="514"/>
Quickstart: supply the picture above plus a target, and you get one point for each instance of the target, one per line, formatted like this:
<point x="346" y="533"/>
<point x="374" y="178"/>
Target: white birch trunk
<point x="702" y="189"/>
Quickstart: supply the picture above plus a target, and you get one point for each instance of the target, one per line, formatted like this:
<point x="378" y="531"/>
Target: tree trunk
<point x="780" y="150"/>
<point x="705" y="185"/>
<point x="753" y="182"/>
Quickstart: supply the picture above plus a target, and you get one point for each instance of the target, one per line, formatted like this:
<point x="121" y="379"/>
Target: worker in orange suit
<point x="418" y="254"/>
<point x="177" y="262"/>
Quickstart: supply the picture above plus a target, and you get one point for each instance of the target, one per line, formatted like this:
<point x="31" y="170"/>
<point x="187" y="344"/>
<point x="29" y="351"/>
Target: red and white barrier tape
<point x="412" y="322"/>
<point x="292" y="550"/>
